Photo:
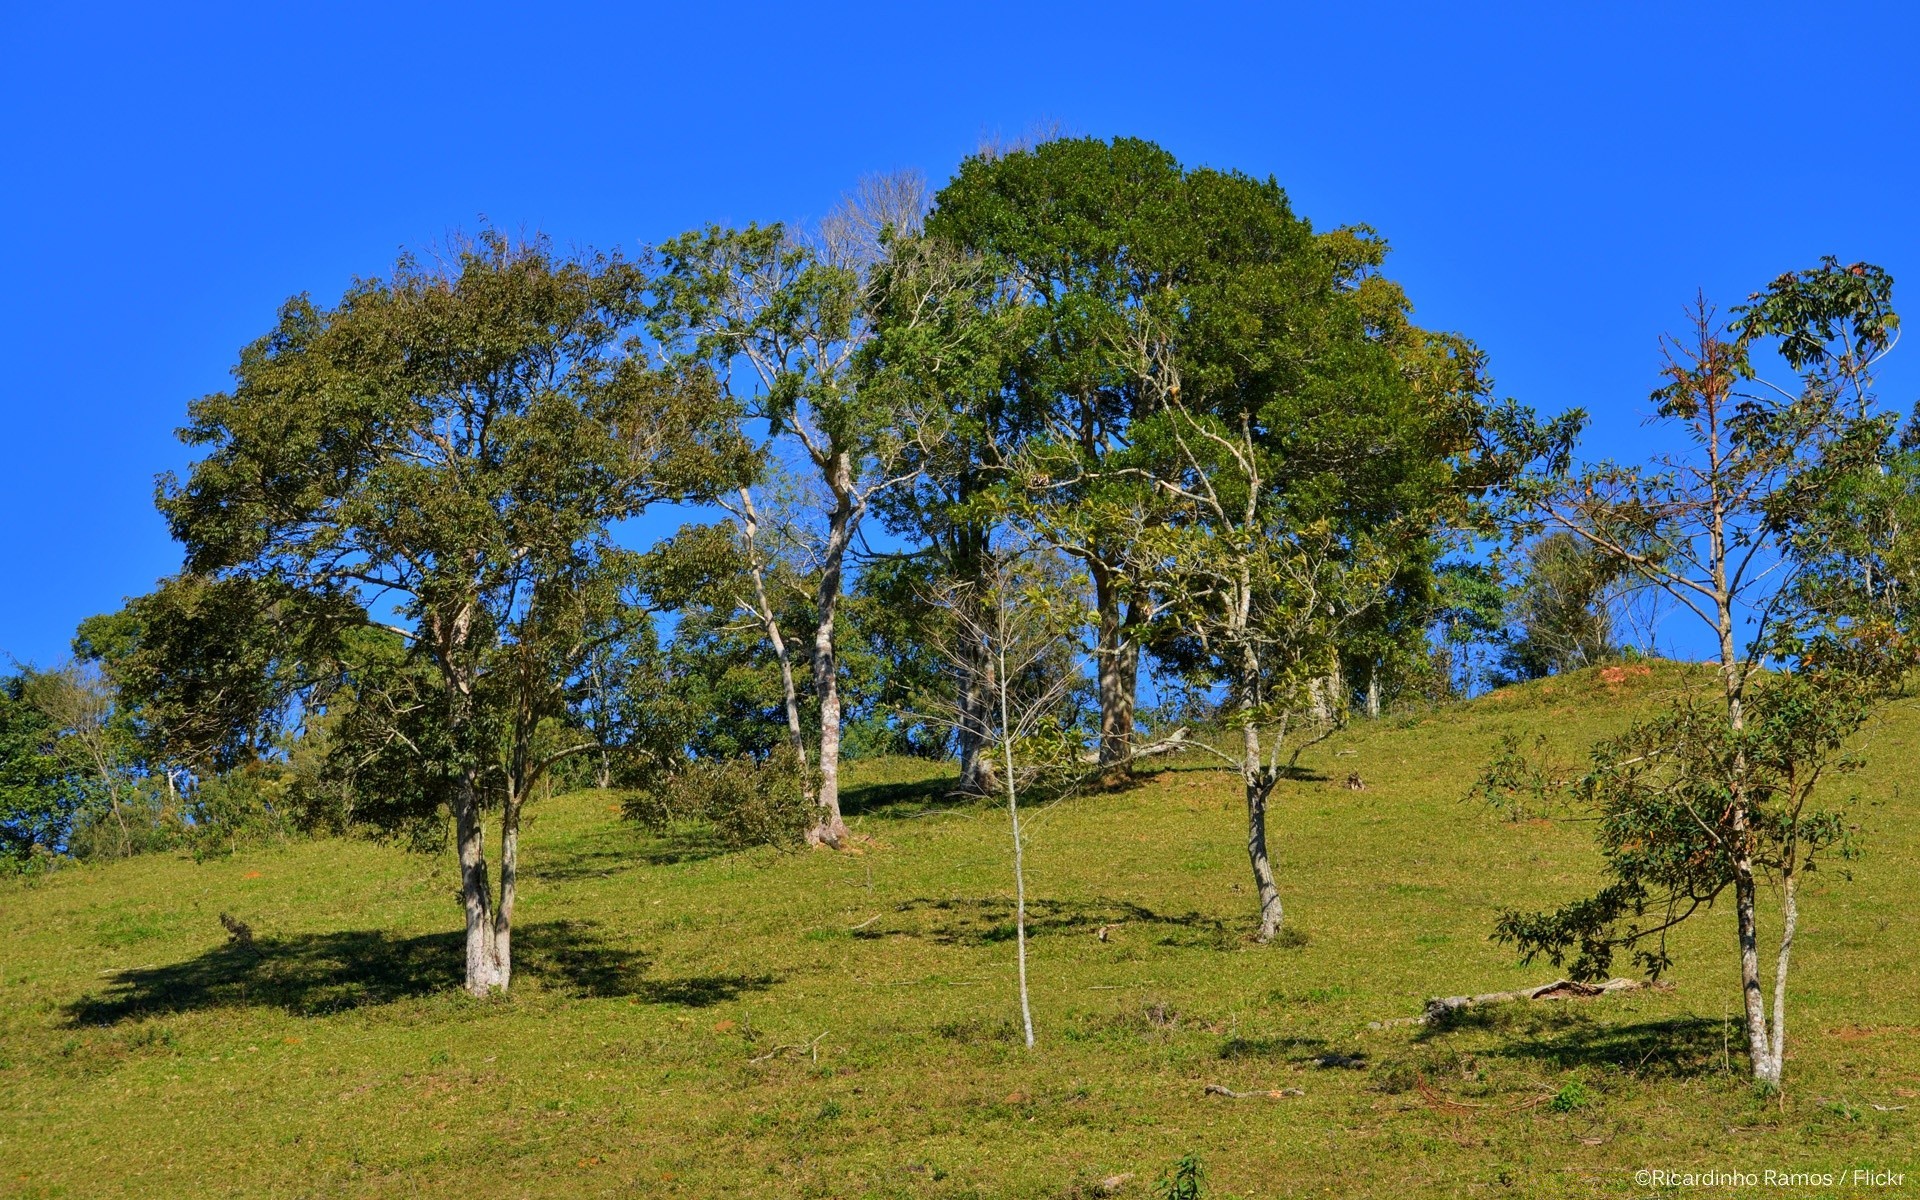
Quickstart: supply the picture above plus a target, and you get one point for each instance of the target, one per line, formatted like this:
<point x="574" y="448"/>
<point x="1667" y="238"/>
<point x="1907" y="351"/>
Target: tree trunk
<point x="476" y="892"/>
<point x="1117" y="667"/>
<point x="1373" y="693"/>
<point x="831" y="830"/>
<point x="1263" y="881"/>
<point x="1259" y="786"/>
<point x="976" y="686"/>
<point x="976" y="681"/>
<point x="1789" y="918"/>
<point x="509" y="880"/>
<point x="1759" y="1049"/>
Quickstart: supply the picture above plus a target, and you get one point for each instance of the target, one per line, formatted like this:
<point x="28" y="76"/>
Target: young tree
<point x="1719" y="792"/>
<point x="779" y="319"/>
<point x="435" y="463"/>
<point x="1016" y="625"/>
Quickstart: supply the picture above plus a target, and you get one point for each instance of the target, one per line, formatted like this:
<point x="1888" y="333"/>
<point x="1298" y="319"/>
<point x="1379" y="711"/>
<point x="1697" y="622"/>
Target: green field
<point x="689" y="1022"/>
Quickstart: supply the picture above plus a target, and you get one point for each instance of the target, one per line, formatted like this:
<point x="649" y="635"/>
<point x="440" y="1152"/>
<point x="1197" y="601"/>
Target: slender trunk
<point x="1789" y="918"/>
<point x="1373" y="693"/>
<point x="1759" y="1049"/>
<point x="1013" y="814"/>
<point x="763" y="607"/>
<point x="1259" y="786"/>
<point x="831" y="830"/>
<point x="509" y="878"/>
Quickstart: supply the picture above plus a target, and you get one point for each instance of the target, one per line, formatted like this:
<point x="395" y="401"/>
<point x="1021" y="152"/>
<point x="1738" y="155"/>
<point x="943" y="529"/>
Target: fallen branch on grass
<point x="1214" y="1089"/>
<point x="812" y="1047"/>
<point x="1443" y="1008"/>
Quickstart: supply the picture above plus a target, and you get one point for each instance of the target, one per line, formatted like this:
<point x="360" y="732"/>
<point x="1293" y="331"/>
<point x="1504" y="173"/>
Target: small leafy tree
<point x="1563" y="609"/>
<point x="1723" y="792"/>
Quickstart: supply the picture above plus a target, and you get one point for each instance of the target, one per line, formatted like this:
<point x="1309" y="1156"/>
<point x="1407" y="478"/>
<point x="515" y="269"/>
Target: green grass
<point x="687" y="1022"/>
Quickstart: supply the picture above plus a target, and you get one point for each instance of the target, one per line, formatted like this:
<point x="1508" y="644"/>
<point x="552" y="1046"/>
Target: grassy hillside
<point x="686" y="1022"/>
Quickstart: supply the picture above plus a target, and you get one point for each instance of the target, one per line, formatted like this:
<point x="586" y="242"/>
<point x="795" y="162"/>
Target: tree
<point x="38" y="795"/>
<point x="433" y="466"/>
<point x="1082" y="236"/>
<point x="1563" y="609"/>
<point x="1721" y="792"/>
<point x="1280" y="449"/>
<point x="1017" y="627"/>
<point x="792" y="312"/>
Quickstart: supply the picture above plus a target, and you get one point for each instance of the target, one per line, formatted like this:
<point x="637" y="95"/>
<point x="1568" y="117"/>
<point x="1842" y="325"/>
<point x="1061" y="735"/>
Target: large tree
<point x="1083" y="237"/>
<point x="1313" y="444"/>
<point x="434" y="464"/>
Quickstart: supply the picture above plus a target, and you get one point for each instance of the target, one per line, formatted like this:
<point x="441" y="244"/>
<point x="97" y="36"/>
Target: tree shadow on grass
<point x="898" y="801"/>
<point x="320" y="973"/>
<point x="619" y="849"/>
<point x="1563" y="1038"/>
<point x="983" y="922"/>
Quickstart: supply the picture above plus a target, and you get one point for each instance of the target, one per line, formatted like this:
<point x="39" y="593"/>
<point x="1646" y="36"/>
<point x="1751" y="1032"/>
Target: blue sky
<point x="1556" y="180"/>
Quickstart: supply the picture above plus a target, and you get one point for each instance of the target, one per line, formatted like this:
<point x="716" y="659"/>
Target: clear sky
<point x="1556" y="180"/>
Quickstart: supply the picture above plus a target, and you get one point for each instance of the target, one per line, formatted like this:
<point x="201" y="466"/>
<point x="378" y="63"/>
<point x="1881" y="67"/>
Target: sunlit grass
<point x="692" y="1022"/>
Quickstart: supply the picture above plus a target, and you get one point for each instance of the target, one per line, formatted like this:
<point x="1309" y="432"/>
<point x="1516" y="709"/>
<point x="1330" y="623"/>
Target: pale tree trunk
<point x="476" y="893"/>
<point x="1255" y="776"/>
<point x="1259" y="786"/>
<point x="1013" y="815"/>
<point x="763" y="608"/>
<point x="1373" y="693"/>
<point x="831" y="830"/>
<point x="509" y="880"/>
<point x="976" y="686"/>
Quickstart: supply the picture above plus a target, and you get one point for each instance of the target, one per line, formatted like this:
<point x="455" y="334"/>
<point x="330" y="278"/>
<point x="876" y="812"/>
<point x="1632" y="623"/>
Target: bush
<point x="749" y="800"/>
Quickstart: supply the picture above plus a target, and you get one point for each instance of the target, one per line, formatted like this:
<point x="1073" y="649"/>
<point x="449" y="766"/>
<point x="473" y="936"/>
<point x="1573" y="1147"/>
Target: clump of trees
<point x="972" y="460"/>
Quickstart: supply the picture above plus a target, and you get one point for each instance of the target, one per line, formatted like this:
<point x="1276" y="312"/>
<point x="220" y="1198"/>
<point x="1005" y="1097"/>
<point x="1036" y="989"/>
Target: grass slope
<point x="692" y="1023"/>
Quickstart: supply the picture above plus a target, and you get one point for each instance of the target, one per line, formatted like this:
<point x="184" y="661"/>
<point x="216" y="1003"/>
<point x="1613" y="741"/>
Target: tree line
<point x="958" y="466"/>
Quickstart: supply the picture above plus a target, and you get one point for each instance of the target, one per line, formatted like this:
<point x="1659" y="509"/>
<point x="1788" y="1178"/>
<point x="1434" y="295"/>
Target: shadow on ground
<point x="901" y="800"/>
<point x="1565" y="1038"/>
<point x="620" y="848"/>
<point x="981" y="922"/>
<point x="320" y="973"/>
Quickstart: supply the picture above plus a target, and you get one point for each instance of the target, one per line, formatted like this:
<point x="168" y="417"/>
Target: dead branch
<point x="1442" y="1008"/>
<point x="1214" y="1089"/>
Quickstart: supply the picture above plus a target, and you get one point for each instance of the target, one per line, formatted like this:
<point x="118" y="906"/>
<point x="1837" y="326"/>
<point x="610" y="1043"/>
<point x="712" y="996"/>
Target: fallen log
<point x="1441" y="1009"/>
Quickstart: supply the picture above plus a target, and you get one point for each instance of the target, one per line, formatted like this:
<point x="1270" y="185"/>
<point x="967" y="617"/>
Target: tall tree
<point x="439" y="458"/>
<point x="1312" y="446"/>
<point x="1722" y="792"/>
<point x="1086" y="238"/>
<point x="779" y="319"/>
